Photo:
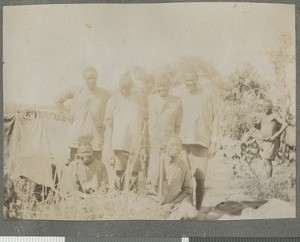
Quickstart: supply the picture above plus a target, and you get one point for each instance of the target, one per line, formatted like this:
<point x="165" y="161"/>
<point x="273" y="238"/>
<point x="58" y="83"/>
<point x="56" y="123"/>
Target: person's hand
<point x="69" y="117"/>
<point x="151" y="189"/>
<point x="143" y="164"/>
<point x="86" y="196"/>
<point x="112" y="161"/>
<point x="212" y="149"/>
<point x="273" y="138"/>
<point x="143" y="155"/>
<point x="266" y="139"/>
<point x="100" y="129"/>
<point x="168" y="206"/>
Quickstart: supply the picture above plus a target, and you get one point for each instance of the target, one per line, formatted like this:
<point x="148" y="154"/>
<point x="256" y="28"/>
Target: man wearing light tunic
<point x="87" y="112"/>
<point x="164" y="117"/>
<point x="84" y="175"/>
<point x="199" y="130"/>
<point x="125" y="121"/>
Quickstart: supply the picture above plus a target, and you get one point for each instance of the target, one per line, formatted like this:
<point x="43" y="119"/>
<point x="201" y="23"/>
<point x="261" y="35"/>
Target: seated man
<point x="85" y="175"/>
<point x="174" y="185"/>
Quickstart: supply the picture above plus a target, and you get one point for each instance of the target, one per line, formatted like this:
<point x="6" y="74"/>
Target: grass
<point x="111" y="205"/>
<point x="127" y="205"/>
<point x="251" y="179"/>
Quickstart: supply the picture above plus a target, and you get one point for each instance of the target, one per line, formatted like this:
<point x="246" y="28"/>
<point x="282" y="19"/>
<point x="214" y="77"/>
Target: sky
<point x="46" y="47"/>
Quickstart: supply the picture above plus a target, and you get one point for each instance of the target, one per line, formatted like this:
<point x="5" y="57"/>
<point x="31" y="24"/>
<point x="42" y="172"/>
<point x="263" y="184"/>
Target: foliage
<point x="282" y="60"/>
<point x="251" y="178"/>
<point x="241" y="96"/>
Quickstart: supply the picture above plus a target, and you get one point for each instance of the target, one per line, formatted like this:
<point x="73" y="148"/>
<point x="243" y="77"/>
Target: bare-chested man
<point x="269" y="135"/>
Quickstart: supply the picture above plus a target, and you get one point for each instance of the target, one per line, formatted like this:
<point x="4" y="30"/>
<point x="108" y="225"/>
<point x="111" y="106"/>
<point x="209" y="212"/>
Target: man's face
<point x="125" y="90"/>
<point x="243" y="147"/>
<point x="268" y="107"/>
<point x="191" y="84"/>
<point x="174" y="147"/>
<point x="87" y="156"/>
<point x="163" y="90"/>
<point x="90" y="80"/>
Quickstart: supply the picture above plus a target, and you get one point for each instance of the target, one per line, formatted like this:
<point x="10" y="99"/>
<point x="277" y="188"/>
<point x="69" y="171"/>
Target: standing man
<point x="87" y="112"/>
<point x="199" y="131"/>
<point x="269" y="135"/>
<point x="164" y="118"/>
<point x="125" y="121"/>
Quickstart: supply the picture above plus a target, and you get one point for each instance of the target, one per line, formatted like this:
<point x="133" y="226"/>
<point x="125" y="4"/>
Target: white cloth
<point x="127" y="116"/>
<point x="199" y="111"/>
<point x="163" y="117"/>
<point x="87" y="109"/>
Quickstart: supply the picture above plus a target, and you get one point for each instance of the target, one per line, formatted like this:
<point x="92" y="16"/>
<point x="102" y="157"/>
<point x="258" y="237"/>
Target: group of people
<point x="169" y="138"/>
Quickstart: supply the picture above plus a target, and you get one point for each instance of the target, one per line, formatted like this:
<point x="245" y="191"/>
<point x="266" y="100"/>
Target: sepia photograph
<point x="163" y="111"/>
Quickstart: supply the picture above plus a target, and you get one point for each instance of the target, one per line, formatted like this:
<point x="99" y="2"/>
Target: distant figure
<point x="199" y="130"/>
<point x="174" y="187"/>
<point x="87" y="112"/>
<point x="125" y="120"/>
<point x="84" y="175"/>
<point x="164" y="118"/>
<point x="270" y="136"/>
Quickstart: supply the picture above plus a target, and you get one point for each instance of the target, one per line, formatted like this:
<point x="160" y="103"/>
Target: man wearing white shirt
<point x="199" y="130"/>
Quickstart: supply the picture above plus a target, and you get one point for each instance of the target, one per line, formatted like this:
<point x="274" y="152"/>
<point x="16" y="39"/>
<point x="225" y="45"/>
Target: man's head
<point x="90" y="76"/>
<point x="174" y="145"/>
<point x="162" y="87"/>
<point x="85" y="152"/>
<point x="191" y="81"/>
<point x="125" y="84"/>
<point x="243" y="146"/>
<point x="268" y="106"/>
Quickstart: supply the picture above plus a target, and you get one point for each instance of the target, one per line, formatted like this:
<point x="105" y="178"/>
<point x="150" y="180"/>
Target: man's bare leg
<point x="133" y="181"/>
<point x="200" y="191"/>
<point x="119" y="181"/>
<point x="269" y="168"/>
<point x="197" y="156"/>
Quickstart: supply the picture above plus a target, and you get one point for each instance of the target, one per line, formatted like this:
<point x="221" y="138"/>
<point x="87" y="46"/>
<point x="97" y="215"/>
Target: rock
<point x="276" y="208"/>
<point x="240" y="198"/>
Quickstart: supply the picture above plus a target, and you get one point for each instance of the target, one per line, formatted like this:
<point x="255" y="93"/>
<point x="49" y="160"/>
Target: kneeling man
<point x="174" y="188"/>
<point x="85" y="175"/>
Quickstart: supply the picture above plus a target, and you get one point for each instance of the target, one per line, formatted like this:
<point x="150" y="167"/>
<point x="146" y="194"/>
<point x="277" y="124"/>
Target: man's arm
<point x="145" y="131"/>
<point x="71" y="183"/>
<point x="60" y="100"/>
<point x="103" y="181"/>
<point x="215" y="126"/>
<point x="108" y="123"/>
<point x="178" y="119"/>
<point x="182" y="195"/>
<point x="186" y="189"/>
<point x="283" y="127"/>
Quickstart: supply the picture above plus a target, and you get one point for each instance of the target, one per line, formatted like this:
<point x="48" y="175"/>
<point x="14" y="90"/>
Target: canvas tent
<point x="32" y="145"/>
